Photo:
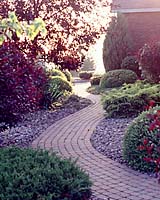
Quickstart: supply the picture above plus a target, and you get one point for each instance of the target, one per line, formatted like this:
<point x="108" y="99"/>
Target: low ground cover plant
<point x="130" y="99"/>
<point x="33" y="174"/>
<point x="141" y="147"/>
<point x="116" y="78"/>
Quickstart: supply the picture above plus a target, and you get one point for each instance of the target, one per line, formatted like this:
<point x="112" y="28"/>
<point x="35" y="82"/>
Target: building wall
<point x="143" y="28"/>
<point x="134" y="4"/>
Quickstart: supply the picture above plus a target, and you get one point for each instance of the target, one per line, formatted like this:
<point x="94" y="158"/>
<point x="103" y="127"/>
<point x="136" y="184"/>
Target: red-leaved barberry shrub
<point x="69" y="32"/>
<point x="21" y="83"/>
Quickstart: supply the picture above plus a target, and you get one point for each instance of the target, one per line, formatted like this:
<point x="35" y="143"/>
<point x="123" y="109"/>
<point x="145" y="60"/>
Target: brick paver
<point x="70" y="137"/>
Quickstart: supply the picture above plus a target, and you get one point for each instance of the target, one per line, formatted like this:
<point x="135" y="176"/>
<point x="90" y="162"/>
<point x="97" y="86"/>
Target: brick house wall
<point x="143" y="27"/>
<point x="135" y="4"/>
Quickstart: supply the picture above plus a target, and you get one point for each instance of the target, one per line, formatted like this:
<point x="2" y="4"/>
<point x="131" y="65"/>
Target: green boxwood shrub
<point x="131" y="63"/>
<point x="55" y="88"/>
<point x="86" y="75"/>
<point x="117" y="78"/>
<point x="95" y="80"/>
<point x="68" y="75"/>
<point x="134" y="137"/>
<point x="130" y="99"/>
<point x="27" y="174"/>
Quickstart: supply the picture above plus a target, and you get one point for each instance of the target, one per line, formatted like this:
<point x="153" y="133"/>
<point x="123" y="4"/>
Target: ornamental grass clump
<point x="56" y="87"/>
<point x="130" y="99"/>
<point x="27" y="174"/>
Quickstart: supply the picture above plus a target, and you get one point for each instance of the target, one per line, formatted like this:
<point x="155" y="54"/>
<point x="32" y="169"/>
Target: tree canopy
<point x="72" y="26"/>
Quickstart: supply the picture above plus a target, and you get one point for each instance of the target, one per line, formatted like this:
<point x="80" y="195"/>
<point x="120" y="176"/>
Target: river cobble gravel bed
<point x="33" y="124"/>
<point x="108" y="137"/>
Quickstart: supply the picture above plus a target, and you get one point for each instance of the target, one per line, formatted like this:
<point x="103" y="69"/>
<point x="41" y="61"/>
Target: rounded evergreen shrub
<point x="68" y="75"/>
<point x="55" y="88"/>
<point x="86" y="75"/>
<point x="95" y="80"/>
<point x="33" y="175"/>
<point x="131" y="63"/>
<point x="137" y="135"/>
<point x="117" y="78"/>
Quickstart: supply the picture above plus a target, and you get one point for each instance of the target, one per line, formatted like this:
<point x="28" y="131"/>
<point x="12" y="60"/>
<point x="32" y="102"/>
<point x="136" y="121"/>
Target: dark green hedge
<point x="27" y="174"/>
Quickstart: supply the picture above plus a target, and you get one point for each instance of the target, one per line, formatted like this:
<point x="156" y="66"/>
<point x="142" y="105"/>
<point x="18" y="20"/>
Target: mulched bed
<point x="33" y="124"/>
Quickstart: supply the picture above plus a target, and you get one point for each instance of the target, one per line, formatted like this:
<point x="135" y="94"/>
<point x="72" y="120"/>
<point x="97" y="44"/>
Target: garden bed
<point x="108" y="136"/>
<point x="33" y="124"/>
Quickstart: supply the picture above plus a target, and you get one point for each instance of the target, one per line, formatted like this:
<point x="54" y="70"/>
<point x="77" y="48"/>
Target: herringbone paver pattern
<point x="70" y="137"/>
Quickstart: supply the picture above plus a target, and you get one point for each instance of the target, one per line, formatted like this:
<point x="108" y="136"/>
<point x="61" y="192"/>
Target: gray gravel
<point x="108" y="137"/>
<point x="33" y="124"/>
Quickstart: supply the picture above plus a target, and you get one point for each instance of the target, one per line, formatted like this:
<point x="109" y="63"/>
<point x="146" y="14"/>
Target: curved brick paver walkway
<point x="70" y="137"/>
